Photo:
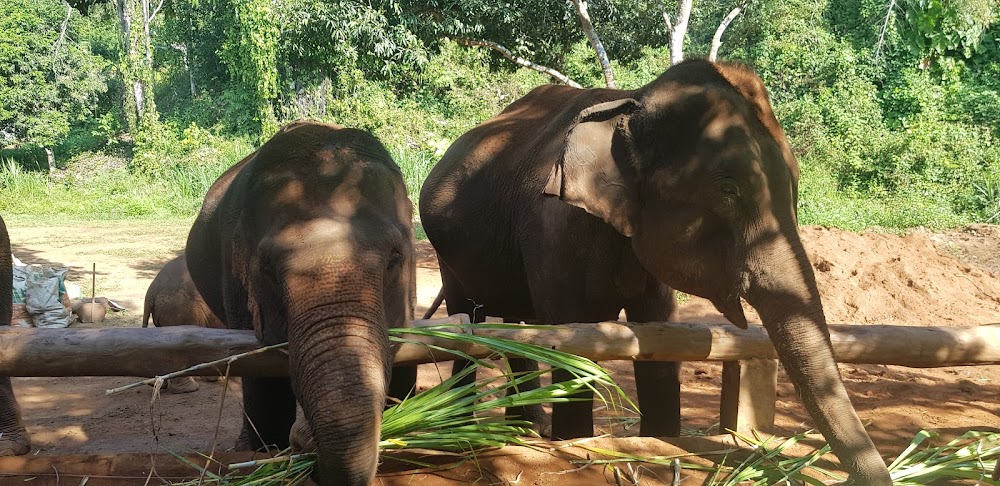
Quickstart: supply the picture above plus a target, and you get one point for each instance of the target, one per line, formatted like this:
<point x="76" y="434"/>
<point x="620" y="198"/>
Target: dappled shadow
<point x="149" y="267"/>
<point x="73" y="416"/>
<point x="30" y="256"/>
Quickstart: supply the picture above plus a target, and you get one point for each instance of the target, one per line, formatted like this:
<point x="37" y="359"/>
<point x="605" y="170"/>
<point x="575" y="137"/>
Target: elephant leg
<point x="532" y="413"/>
<point x="573" y="419"/>
<point x="458" y="303"/>
<point x="657" y="383"/>
<point x="13" y="437"/>
<point x="269" y="412"/>
<point x="402" y="384"/>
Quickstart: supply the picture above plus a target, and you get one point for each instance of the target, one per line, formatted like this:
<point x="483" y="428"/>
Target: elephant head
<point x="315" y="238"/>
<point x="694" y="167"/>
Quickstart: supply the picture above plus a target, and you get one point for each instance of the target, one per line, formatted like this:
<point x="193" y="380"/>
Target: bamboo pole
<point x="157" y="351"/>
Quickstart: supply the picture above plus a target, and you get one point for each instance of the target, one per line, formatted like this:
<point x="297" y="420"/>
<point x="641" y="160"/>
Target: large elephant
<point x="574" y="204"/>
<point x="309" y="240"/>
<point x="173" y="300"/>
<point x="14" y="439"/>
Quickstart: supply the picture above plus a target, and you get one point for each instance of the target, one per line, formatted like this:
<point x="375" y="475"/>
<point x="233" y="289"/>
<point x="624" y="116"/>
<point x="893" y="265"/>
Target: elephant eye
<point x="395" y="259"/>
<point x="729" y="188"/>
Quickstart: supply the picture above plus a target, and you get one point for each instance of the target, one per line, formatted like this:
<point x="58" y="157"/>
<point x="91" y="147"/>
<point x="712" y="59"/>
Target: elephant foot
<point x="541" y="423"/>
<point x="14" y="446"/>
<point x="243" y="442"/>
<point x="184" y="384"/>
<point x="211" y="379"/>
<point x="248" y="441"/>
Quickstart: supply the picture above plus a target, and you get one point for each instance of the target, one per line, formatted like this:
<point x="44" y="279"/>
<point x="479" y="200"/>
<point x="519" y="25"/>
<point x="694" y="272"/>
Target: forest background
<point x="114" y="109"/>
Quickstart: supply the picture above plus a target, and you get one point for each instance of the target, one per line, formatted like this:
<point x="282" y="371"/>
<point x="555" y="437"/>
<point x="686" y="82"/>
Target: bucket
<point x="92" y="312"/>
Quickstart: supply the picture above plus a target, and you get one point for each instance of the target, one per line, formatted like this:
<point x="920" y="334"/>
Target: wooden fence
<point x="749" y="370"/>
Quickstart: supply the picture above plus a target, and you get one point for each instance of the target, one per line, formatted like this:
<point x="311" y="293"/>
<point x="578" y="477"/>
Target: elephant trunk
<point x="339" y="371"/>
<point x="782" y="288"/>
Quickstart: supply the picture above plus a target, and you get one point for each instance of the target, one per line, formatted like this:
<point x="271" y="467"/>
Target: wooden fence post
<point x="749" y="393"/>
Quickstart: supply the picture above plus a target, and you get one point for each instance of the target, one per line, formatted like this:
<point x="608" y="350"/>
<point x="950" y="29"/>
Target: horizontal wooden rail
<point x="156" y="351"/>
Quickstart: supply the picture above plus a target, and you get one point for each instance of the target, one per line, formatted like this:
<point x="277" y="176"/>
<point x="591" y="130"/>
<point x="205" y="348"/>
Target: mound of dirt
<point x="877" y="278"/>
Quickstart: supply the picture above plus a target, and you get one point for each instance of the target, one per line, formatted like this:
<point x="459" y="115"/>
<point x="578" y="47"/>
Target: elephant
<point x="14" y="440"/>
<point x="173" y="300"/>
<point x="309" y="240"/>
<point x="573" y="204"/>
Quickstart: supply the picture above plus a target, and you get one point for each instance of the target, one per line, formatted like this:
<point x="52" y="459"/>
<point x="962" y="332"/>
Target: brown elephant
<point x="14" y="440"/>
<point x="573" y="204"/>
<point x="173" y="300"/>
<point x="309" y="240"/>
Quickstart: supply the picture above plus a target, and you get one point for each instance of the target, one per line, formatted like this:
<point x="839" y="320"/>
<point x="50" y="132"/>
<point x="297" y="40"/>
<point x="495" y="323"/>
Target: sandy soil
<point x="921" y="279"/>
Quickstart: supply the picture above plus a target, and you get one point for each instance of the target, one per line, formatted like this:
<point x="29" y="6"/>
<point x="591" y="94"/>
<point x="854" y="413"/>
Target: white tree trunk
<point x="878" y="53"/>
<point x="61" y="39"/>
<point x="182" y="48"/>
<point x="147" y="20"/>
<point x="51" y="157"/>
<point x="595" y="42"/>
<point x="679" y="31"/>
<point x="140" y="98"/>
<point x="717" y="38"/>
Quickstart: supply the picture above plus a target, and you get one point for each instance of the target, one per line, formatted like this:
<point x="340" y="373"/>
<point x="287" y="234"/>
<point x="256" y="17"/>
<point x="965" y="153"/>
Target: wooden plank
<point x="151" y="352"/>
<point x="749" y="392"/>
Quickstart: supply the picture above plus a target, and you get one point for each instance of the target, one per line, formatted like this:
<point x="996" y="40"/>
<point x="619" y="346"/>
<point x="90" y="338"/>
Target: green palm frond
<point x="453" y="418"/>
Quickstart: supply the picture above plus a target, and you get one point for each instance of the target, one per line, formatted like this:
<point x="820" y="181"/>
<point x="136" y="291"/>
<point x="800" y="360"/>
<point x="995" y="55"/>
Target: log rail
<point x="749" y="359"/>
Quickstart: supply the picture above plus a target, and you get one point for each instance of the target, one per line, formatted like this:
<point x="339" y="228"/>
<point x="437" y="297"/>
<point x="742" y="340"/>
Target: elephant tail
<point x="147" y="311"/>
<point x="434" y="306"/>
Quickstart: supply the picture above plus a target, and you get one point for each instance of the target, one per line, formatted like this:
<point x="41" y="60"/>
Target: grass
<point x="970" y="457"/>
<point x="174" y="188"/>
<point x="173" y="181"/>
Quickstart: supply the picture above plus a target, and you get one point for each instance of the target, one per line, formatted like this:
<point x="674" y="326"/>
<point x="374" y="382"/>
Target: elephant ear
<point x="594" y="173"/>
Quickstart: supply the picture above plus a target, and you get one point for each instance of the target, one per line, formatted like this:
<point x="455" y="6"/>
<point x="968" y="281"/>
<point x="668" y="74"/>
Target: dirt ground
<point x="921" y="279"/>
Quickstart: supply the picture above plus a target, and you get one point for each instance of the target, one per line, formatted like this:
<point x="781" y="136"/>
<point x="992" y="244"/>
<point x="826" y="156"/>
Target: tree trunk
<point x="51" y="158"/>
<point x="520" y="61"/>
<point x="183" y="49"/>
<point x="137" y="62"/>
<point x="595" y="42"/>
<point x="250" y="53"/>
<point x="717" y="38"/>
<point x="61" y="39"/>
<point x="157" y="351"/>
<point x="679" y="31"/>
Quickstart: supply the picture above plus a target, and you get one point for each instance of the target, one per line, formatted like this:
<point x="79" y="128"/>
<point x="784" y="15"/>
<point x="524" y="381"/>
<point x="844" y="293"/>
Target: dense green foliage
<point x="48" y="83"/>
<point x="893" y="129"/>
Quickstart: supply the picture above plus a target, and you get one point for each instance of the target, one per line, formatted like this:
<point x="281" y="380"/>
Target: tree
<point x="941" y="28"/>
<point x="136" y="65"/>
<point x="251" y="56"/>
<point x="595" y="41"/>
<point x="50" y="82"/>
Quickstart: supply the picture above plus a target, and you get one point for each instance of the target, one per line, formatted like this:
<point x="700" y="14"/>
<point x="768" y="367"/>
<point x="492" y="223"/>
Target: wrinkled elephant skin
<point x="309" y="240"/>
<point x="574" y="204"/>
<point x="13" y="438"/>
